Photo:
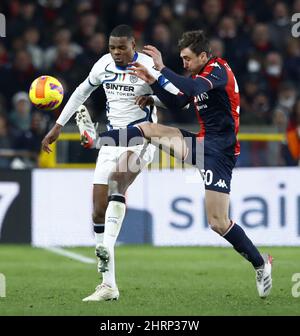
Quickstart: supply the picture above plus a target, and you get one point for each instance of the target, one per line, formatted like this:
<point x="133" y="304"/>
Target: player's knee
<point x="218" y="223"/>
<point x="116" y="183"/>
<point x="147" y="129"/>
<point x="99" y="216"/>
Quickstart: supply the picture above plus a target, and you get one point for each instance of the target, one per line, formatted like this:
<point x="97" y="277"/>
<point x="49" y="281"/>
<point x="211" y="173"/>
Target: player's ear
<point x="203" y="55"/>
<point x="133" y="44"/>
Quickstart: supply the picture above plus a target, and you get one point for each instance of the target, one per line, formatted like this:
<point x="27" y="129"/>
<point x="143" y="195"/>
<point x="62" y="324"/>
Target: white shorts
<point x="108" y="157"/>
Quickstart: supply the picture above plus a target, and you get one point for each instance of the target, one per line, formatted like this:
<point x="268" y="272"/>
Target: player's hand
<point x="137" y="69"/>
<point x="156" y="56"/>
<point x="52" y="136"/>
<point x="143" y="101"/>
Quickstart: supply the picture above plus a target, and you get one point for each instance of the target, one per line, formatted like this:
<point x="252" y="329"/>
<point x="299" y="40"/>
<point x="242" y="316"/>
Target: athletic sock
<point x="130" y="136"/>
<point x="114" y="217"/>
<point x="99" y="233"/>
<point x="236" y="236"/>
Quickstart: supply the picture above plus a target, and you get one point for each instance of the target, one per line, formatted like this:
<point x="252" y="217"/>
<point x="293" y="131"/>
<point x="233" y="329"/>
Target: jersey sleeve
<point x="94" y="77"/>
<point x="161" y="79"/>
<point x="82" y="92"/>
<point x="204" y="82"/>
<point x="78" y="97"/>
<point x="167" y="95"/>
<point x="169" y="100"/>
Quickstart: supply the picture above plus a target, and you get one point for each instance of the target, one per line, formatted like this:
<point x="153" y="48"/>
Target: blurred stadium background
<point x="45" y="200"/>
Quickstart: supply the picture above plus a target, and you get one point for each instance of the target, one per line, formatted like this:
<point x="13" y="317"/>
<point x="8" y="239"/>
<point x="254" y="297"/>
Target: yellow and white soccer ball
<point x="46" y="93"/>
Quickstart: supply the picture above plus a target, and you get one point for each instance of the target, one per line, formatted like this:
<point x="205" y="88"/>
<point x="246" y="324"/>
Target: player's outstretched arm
<point x="190" y="87"/>
<point x="78" y="97"/>
<point x="139" y="70"/>
<point x="169" y="100"/>
<point x="52" y="136"/>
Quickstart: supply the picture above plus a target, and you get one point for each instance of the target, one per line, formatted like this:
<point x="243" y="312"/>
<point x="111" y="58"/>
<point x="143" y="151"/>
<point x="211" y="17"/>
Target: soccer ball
<point x="46" y="93"/>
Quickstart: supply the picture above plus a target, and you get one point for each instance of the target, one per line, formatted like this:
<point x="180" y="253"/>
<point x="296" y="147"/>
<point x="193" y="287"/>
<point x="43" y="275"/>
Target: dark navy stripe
<point x="116" y="198"/>
<point x="110" y="80"/>
<point x="148" y="117"/>
<point x="92" y="83"/>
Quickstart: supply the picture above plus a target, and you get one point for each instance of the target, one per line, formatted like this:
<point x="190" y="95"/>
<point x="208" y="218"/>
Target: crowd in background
<point x="65" y="38"/>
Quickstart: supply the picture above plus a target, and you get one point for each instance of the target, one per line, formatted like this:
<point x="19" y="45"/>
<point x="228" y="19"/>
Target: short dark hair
<point x="122" y="31"/>
<point x="195" y="40"/>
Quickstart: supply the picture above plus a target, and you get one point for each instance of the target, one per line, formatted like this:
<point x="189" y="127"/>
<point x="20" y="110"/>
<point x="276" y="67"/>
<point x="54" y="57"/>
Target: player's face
<point x="191" y="62"/>
<point x="121" y="49"/>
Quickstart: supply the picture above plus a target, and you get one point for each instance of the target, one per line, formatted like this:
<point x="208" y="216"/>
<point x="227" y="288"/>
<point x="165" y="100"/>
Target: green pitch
<point x="152" y="281"/>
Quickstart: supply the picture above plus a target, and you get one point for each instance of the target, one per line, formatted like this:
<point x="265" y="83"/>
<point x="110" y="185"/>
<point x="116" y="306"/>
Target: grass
<point x="153" y="281"/>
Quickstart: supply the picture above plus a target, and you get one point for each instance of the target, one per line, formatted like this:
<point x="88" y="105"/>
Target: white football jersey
<point x="121" y="89"/>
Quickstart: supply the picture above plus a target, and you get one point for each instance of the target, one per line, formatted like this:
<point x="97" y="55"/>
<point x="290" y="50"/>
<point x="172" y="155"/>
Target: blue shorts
<point x="215" y="166"/>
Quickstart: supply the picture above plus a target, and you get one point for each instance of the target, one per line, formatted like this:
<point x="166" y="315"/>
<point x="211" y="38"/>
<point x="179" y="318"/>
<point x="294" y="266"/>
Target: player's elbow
<point x="81" y="91"/>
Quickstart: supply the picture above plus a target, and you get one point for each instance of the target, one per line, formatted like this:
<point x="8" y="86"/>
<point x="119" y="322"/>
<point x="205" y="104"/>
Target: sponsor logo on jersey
<point x="221" y="183"/>
<point x="112" y="86"/>
<point x="201" y="97"/>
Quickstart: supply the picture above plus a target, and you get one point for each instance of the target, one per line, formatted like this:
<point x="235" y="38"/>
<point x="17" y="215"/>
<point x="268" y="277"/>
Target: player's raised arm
<point x="190" y="86"/>
<point x="199" y="84"/>
<point x="169" y="100"/>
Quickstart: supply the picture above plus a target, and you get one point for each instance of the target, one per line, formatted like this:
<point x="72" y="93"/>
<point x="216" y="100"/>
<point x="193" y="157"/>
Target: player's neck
<point x="205" y="64"/>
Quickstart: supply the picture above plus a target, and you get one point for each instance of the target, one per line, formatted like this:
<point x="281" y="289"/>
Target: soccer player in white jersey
<point x="116" y="168"/>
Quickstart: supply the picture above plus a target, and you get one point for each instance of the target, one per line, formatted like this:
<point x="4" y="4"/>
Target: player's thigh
<point x="170" y="139"/>
<point x="106" y="163"/>
<point x="128" y="166"/>
<point x="217" y="205"/>
<point x="100" y="201"/>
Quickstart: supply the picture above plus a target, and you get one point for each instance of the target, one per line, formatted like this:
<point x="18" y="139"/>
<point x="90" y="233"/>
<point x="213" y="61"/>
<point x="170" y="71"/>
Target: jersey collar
<point x="206" y="64"/>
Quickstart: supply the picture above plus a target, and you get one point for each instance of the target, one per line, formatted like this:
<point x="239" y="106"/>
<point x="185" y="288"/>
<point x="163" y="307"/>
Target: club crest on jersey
<point x="133" y="79"/>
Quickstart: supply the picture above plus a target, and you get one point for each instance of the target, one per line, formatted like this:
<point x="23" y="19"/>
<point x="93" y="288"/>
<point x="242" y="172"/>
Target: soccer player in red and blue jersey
<point x="214" y="93"/>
